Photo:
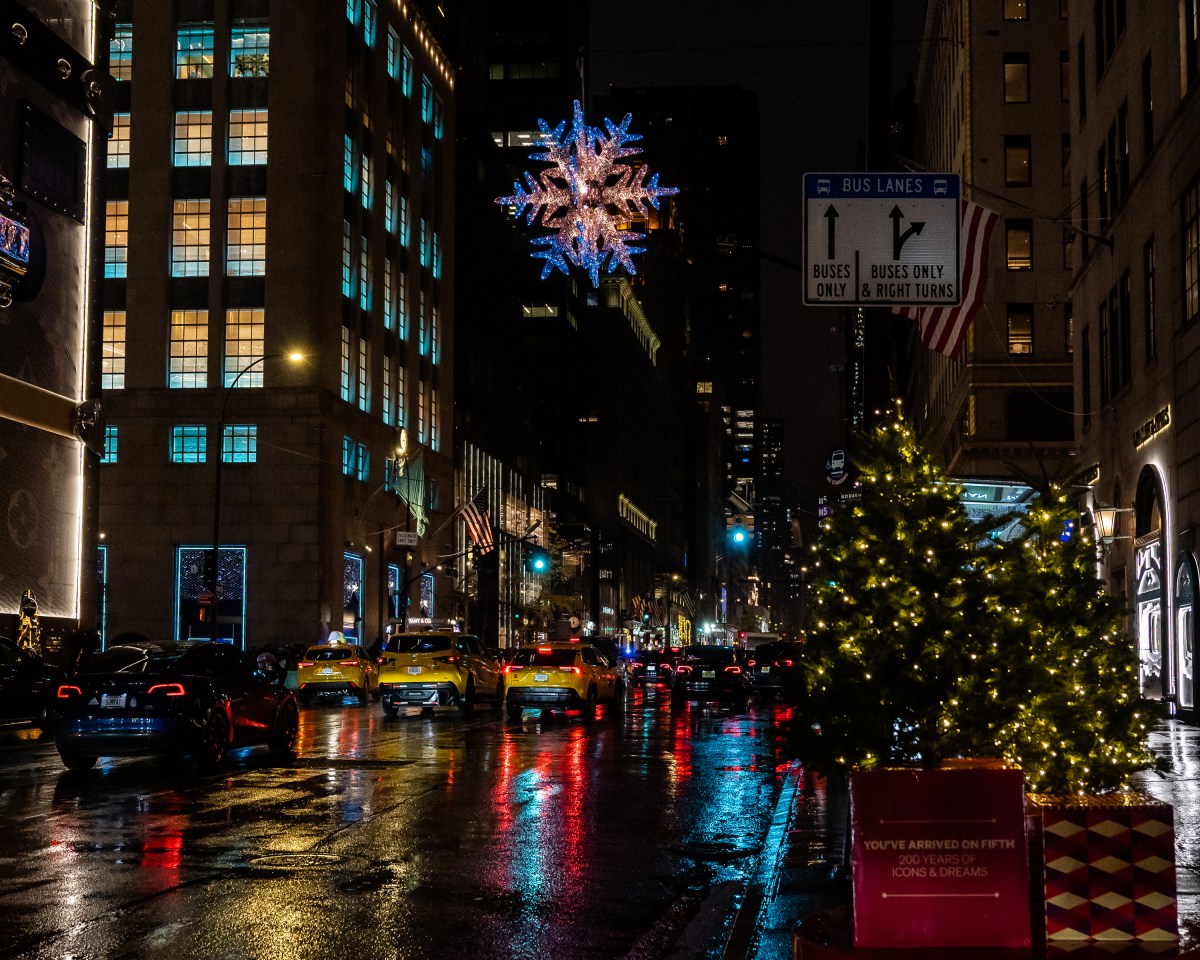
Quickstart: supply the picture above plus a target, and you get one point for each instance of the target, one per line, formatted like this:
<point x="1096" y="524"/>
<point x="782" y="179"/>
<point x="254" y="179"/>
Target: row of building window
<point x="195" y="50"/>
<point x="192" y="141"/>
<point x="1018" y="160"/>
<point x="187" y="353"/>
<point x="189" y="443"/>
<point x="355" y="388"/>
<point x="191" y="238"/>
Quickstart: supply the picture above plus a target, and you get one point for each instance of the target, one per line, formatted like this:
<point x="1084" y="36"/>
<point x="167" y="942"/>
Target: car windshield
<point x="544" y="658"/>
<point x="126" y="659"/>
<point x="330" y="653"/>
<point x="418" y="643"/>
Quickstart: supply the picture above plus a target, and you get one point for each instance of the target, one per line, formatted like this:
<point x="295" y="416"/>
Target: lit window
<point x="406" y="72"/>
<point x="362" y="466"/>
<point x="118" y="142"/>
<point x="365" y="176"/>
<point x="438" y="120"/>
<point x="423" y="240"/>
<point x="433" y="334"/>
<point x="1017" y="167"/>
<point x="1020" y="328"/>
<point x="426" y="100"/>
<point x="348" y="165"/>
<point x="120" y="52"/>
<point x="364" y="277"/>
<point x="188" y="363"/>
<point x="194" y="51"/>
<point x="112" y="360"/>
<point x="369" y="20"/>
<point x="193" y="138"/>
<point x="247" y="137"/>
<point x="389" y="320"/>
<point x="393" y="54"/>
<point x="1016" y="78"/>
<point x="240" y="443"/>
<point x="422" y="330"/>
<point x="347" y="371"/>
<point x="246" y="248"/>
<point x="190" y="238"/>
<point x="402" y="305"/>
<point x="387" y="390"/>
<point x="421" y="434"/>
<point x="401" y="400"/>
<point x="188" y="443"/>
<point x="1016" y="10"/>
<point x="389" y="211"/>
<point x="364" y="383"/>
<point x="434" y="436"/>
<point x="249" y="48"/>
<point x="404" y="221"/>
<point x="244" y="332"/>
<point x="110" y="444"/>
<point x="348" y="456"/>
<point x="437" y="257"/>
<point x="1019" y="246"/>
<point x="347" y="260"/>
<point x="116" y="237"/>
<point x="352" y="11"/>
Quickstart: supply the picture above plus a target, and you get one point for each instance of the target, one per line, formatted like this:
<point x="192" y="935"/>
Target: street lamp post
<point x="214" y="561"/>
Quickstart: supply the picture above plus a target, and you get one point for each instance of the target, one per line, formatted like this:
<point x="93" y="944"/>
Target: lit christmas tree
<point x="1064" y="664"/>
<point x="930" y="641"/>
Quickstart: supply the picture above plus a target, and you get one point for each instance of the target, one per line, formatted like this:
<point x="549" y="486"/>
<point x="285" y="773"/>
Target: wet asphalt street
<point x="634" y="836"/>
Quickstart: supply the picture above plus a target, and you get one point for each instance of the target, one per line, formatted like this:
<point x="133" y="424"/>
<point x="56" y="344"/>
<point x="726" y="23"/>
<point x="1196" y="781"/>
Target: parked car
<point x="710" y="673"/>
<point x="199" y="699"/>
<point x="562" y="675"/>
<point x="774" y="669"/>
<point x="435" y="667"/>
<point x="27" y="684"/>
<point x="653" y="667"/>
<point x="339" y="668"/>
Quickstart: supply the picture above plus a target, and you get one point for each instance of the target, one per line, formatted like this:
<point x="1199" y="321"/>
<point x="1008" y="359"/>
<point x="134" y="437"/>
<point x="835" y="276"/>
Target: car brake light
<point x="168" y="689"/>
<point x="543" y="649"/>
<point x="733" y="669"/>
<point x="683" y="668"/>
<point x="348" y="663"/>
<point x="786" y="663"/>
<point x="751" y="663"/>
<point x="66" y="689"/>
<point x="306" y="663"/>
<point x="665" y="666"/>
<point x="512" y="668"/>
<point x="570" y="670"/>
<point x="450" y="659"/>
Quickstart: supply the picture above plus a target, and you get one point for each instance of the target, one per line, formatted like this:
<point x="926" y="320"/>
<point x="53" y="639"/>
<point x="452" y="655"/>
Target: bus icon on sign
<point x="939" y="188"/>
<point x="823" y="186"/>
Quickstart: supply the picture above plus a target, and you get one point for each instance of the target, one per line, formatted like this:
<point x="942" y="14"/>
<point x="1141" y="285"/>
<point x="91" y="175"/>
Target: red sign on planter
<point x="939" y="857"/>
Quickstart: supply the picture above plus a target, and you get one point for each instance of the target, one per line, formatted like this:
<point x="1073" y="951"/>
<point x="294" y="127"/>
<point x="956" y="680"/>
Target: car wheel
<point x="363" y="693"/>
<point x="515" y="711"/>
<point x="287" y="729"/>
<point x="589" y="708"/>
<point x="390" y="710"/>
<point x="214" y="741"/>
<point x="498" y="703"/>
<point x="466" y="702"/>
<point x="73" y="760"/>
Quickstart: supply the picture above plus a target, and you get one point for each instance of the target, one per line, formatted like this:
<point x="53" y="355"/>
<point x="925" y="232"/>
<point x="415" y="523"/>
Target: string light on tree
<point x="586" y="197"/>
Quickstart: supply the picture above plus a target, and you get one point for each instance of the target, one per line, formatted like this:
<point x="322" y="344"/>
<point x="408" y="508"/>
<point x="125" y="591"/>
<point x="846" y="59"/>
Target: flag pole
<point x="456" y="512"/>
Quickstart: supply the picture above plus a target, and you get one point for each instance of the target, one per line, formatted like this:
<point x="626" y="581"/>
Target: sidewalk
<point x="802" y="875"/>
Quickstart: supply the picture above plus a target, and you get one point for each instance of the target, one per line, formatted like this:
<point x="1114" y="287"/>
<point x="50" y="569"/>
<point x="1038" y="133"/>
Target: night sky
<point x="807" y="61"/>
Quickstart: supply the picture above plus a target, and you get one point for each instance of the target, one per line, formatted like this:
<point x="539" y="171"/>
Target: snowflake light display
<point x="584" y="197"/>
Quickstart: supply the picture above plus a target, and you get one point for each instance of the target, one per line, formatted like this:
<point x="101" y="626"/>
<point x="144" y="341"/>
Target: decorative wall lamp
<point x="1106" y="524"/>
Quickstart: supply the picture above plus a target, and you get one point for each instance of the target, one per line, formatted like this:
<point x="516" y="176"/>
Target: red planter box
<point x="1108" y="867"/>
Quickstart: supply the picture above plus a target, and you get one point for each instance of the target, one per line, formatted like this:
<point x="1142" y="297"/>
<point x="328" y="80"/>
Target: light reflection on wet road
<point x="422" y="836"/>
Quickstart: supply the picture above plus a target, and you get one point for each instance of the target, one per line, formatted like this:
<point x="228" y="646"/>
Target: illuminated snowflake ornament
<point x="584" y="197"/>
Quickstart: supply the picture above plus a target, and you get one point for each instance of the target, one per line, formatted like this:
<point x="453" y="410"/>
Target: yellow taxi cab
<point x="561" y="675"/>
<point x="434" y="667"/>
<point x="336" y="668"/>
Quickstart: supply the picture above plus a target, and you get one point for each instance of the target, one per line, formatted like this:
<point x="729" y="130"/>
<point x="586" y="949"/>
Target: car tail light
<point x="751" y="663"/>
<point x="543" y="649"/>
<point x="168" y="689"/>
<point x="349" y="663"/>
<point x="379" y="660"/>
<point x="633" y="664"/>
<point x="570" y="670"/>
<point x="733" y="669"/>
<point x="66" y="689"/>
<point x="784" y="663"/>
<point x="512" y="668"/>
<point x="450" y="659"/>
<point x="665" y="666"/>
<point x="306" y="663"/>
<point x="683" y="668"/>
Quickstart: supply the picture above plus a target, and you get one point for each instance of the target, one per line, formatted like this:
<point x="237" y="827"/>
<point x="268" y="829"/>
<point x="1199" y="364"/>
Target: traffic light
<point x="538" y="560"/>
<point x="738" y="536"/>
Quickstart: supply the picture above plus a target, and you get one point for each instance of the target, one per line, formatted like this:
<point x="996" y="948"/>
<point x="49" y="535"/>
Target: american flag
<point x="944" y="328"/>
<point x="479" y="527"/>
